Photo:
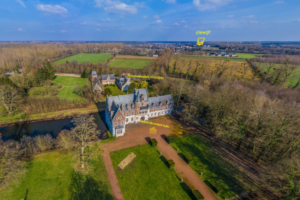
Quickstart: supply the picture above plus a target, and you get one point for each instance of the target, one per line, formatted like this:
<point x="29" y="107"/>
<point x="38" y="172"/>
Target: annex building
<point x="132" y="108"/>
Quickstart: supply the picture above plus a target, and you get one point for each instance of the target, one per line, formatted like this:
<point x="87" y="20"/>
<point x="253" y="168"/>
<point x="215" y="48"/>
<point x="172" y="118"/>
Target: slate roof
<point x="154" y="101"/>
<point x="94" y="73"/>
<point x="104" y="76"/>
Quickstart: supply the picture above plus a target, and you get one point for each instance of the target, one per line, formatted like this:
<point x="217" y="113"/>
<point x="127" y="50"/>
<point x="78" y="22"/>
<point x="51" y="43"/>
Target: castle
<point x="132" y="108"/>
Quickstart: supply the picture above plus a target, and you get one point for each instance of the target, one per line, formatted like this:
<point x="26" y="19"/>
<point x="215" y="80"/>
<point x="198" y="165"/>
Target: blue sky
<point x="149" y="20"/>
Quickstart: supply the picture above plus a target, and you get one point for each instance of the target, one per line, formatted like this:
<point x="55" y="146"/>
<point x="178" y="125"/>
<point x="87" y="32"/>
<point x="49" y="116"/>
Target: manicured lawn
<point x="52" y="176"/>
<point x="85" y="57"/>
<point x="197" y="152"/>
<point x="126" y="63"/>
<point x="147" y="177"/>
<point x="115" y="90"/>
<point x="68" y="83"/>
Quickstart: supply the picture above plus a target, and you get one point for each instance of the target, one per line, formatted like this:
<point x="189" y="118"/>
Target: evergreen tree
<point x="83" y="74"/>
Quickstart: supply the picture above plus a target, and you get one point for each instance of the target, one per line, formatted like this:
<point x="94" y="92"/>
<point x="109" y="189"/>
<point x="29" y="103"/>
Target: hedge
<point x="198" y="195"/>
<point x="153" y="142"/>
<point x="171" y="164"/>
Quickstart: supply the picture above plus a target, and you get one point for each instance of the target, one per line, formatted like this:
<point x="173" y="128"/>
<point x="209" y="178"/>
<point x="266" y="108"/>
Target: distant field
<point x="128" y="63"/>
<point x="247" y="55"/>
<point x="135" y="57"/>
<point x="86" y="57"/>
<point x="147" y="177"/>
<point x="211" y="58"/>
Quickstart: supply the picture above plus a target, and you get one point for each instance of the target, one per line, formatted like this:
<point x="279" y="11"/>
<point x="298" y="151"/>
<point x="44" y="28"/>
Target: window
<point x="126" y="114"/>
<point x="131" y="118"/>
<point x="132" y="113"/>
<point x="126" y="119"/>
<point x="122" y="122"/>
<point x="142" y="104"/>
<point x="119" y="131"/>
<point x="116" y="123"/>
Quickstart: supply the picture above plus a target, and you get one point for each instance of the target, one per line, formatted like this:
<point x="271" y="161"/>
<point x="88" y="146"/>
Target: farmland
<point x="210" y="58"/>
<point x="85" y="57"/>
<point x="247" y="55"/>
<point x="135" y="57"/>
<point x="147" y="177"/>
<point x="128" y="63"/>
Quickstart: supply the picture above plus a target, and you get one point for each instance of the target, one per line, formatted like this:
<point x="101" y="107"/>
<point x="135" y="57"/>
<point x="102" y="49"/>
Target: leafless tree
<point x="10" y="98"/>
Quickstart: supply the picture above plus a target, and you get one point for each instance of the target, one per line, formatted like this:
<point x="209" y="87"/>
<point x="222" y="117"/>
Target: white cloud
<point x="66" y="22"/>
<point x="107" y="20"/>
<point x="278" y="2"/>
<point x="251" y="16"/>
<point x="170" y="1"/>
<point x="176" y="24"/>
<point x="203" y="5"/>
<point x="83" y="23"/>
<point x="182" y="21"/>
<point x="98" y="29"/>
<point x="145" y="16"/>
<point x="20" y="29"/>
<point x="230" y="16"/>
<point x="156" y="16"/>
<point x="118" y="7"/>
<point x="63" y="31"/>
<point x="21" y="2"/>
<point x="157" y="21"/>
<point x="52" y="8"/>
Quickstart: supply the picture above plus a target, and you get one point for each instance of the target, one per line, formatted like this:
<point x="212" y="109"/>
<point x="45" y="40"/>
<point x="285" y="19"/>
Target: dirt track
<point x="139" y="135"/>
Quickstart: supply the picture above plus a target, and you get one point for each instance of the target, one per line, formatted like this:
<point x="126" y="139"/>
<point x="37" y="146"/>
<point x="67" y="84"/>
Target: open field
<point x="52" y="176"/>
<point x="247" y="55"/>
<point x="228" y="69"/>
<point x="128" y="63"/>
<point x="135" y="57"/>
<point x="219" y="175"/>
<point x="291" y="81"/>
<point x="85" y="57"/>
<point x="147" y="177"/>
<point x="115" y="90"/>
<point x="210" y="58"/>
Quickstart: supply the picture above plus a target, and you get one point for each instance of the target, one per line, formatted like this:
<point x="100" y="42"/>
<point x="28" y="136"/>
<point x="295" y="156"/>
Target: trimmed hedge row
<point x="198" y="195"/>
<point x="154" y="142"/>
<point x="171" y="164"/>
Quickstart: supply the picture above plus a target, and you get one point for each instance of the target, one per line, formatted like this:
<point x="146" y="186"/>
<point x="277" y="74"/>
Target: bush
<point x="107" y="91"/>
<point x="198" y="195"/>
<point x="44" y="142"/>
<point x="171" y="164"/>
<point x="153" y="142"/>
<point x="66" y="140"/>
<point x="109" y="134"/>
<point x="78" y="90"/>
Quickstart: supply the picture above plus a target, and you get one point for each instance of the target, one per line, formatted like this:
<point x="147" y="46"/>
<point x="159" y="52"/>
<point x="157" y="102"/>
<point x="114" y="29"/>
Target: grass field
<point x="115" y="90"/>
<point x="210" y="58"/>
<point x="68" y="83"/>
<point x="128" y="63"/>
<point x="135" y="57"/>
<point x="52" y="176"/>
<point x="219" y="175"/>
<point x="147" y="177"/>
<point x="247" y="55"/>
<point x="85" y="57"/>
<point x="291" y="81"/>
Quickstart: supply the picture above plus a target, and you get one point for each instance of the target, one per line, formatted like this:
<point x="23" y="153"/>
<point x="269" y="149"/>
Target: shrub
<point x="171" y="164"/>
<point x="66" y="140"/>
<point x="198" y="195"/>
<point x="78" y="90"/>
<point x="107" y="91"/>
<point x="44" y="142"/>
<point x="153" y="142"/>
<point x="28" y="145"/>
<point x="109" y="133"/>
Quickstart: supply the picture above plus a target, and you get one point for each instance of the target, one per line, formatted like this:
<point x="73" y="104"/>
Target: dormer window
<point x="159" y="103"/>
<point x="142" y="104"/>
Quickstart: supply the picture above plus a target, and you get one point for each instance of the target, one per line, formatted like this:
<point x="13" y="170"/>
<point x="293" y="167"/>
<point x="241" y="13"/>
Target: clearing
<point x="85" y="57"/>
<point x="218" y="174"/>
<point x="147" y="177"/>
<point x="128" y="63"/>
<point x="52" y="176"/>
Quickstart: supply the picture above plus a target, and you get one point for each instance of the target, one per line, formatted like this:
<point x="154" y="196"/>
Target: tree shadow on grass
<point x="84" y="187"/>
<point x="165" y="161"/>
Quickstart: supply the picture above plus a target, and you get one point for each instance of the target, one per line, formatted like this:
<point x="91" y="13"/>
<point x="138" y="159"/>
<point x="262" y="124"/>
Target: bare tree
<point x="85" y="130"/>
<point x="10" y="98"/>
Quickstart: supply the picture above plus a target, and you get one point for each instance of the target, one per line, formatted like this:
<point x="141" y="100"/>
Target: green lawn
<point x="246" y="55"/>
<point x="68" y="83"/>
<point x="115" y="90"/>
<point x="147" y="177"/>
<point x="85" y="57"/>
<point x="197" y="152"/>
<point x="52" y="176"/>
<point x="125" y="63"/>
